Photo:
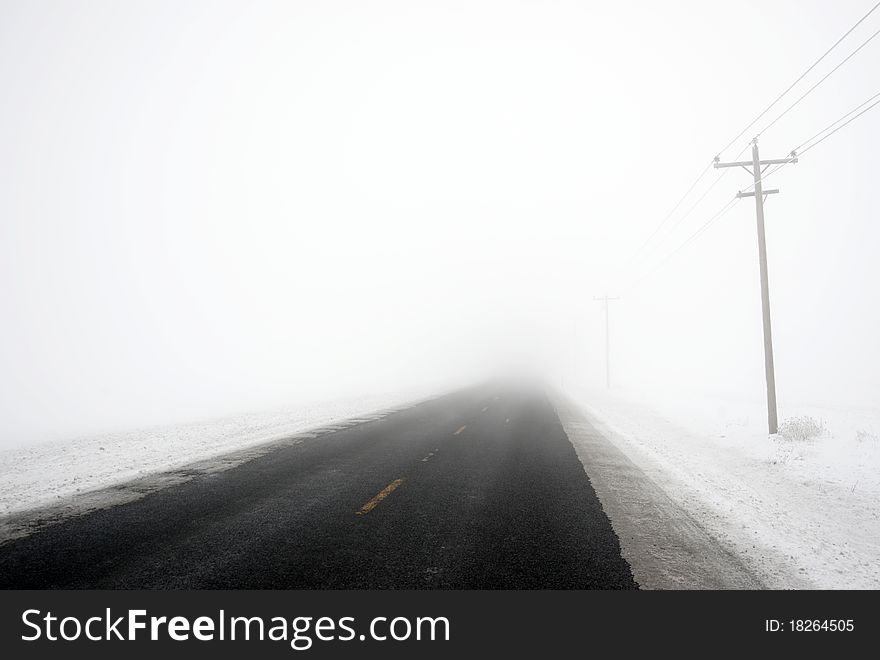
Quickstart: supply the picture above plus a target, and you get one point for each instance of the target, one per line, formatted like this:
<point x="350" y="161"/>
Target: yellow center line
<point x="385" y="492"/>
<point x="460" y="430"/>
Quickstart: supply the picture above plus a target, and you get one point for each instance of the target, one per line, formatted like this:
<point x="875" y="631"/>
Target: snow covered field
<point x="805" y="507"/>
<point x="43" y="474"/>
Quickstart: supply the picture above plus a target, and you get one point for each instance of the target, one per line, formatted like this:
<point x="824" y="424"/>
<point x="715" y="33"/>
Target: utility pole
<point x="606" y="300"/>
<point x="756" y="168"/>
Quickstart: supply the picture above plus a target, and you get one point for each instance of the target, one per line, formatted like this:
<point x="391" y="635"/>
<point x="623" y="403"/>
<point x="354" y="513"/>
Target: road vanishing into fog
<point x="479" y="489"/>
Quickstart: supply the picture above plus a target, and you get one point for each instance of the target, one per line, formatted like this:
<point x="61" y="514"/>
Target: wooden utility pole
<point x="756" y="167"/>
<point x="606" y="300"/>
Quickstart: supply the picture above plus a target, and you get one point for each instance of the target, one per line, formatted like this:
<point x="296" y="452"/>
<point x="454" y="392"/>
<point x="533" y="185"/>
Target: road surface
<point x="480" y="489"/>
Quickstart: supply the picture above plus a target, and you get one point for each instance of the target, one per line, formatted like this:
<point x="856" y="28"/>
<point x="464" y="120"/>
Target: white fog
<point x="215" y="208"/>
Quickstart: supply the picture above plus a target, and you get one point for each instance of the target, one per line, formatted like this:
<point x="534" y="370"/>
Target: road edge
<point x="664" y="545"/>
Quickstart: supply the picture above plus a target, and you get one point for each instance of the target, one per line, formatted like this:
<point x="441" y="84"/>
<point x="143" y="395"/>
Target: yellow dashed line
<point x="460" y="430"/>
<point x="385" y="492"/>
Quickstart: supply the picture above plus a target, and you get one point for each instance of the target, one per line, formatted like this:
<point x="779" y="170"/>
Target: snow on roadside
<point x="795" y="508"/>
<point x="46" y="473"/>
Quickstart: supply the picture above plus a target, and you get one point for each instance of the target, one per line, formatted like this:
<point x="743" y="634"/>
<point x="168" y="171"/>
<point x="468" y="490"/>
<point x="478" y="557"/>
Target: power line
<point x="727" y="207"/>
<point x="797" y="150"/>
<point x="799" y="78"/>
<point x="702" y="229"/>
<point x="691" y="209"/>
<point x="697" y="203"/>
<point x="824" y="78"/>
<point x="702" y="174"/>
<point x="841" y="126"/>
<point x="625" y="265"/>
<point x="674" y="209"/>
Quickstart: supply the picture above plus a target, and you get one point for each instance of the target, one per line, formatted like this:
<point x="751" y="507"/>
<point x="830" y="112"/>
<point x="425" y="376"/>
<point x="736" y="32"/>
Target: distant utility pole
<point x="756" y="168"/>
<point x="606" y="300"/>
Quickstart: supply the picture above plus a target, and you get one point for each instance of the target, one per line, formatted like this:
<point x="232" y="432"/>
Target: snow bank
<point x="801" y="505"/>
<point x="48" y="473"/>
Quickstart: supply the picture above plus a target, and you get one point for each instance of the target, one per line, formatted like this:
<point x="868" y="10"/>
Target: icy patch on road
<point x="804" y="504"/>
<point x="46" y="474"/>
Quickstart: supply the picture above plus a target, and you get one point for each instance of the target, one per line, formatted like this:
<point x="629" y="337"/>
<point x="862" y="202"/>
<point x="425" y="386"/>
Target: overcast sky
<point x="213" y="207"/>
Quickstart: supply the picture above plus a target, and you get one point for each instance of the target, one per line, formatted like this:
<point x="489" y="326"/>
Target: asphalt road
<point x="480" y="489"/>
